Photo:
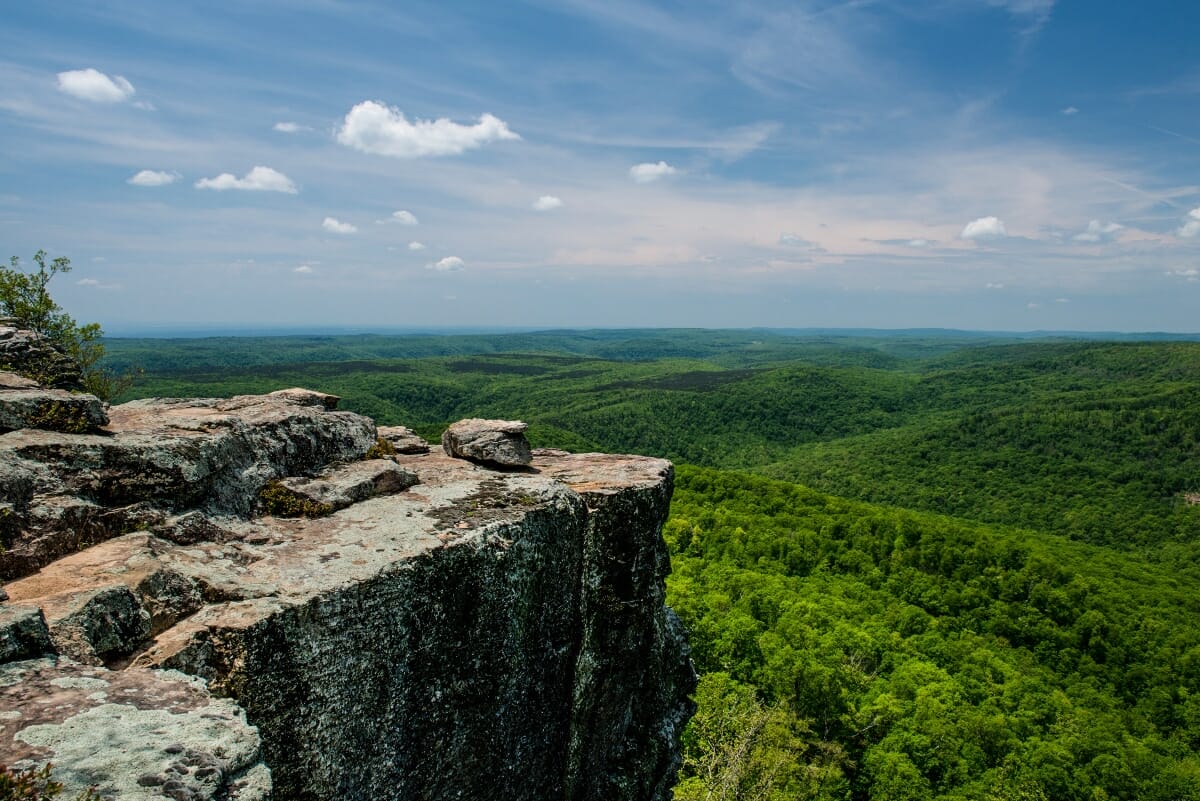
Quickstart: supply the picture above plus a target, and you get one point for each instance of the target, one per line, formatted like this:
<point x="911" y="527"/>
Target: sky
<point x="980" y="164"/>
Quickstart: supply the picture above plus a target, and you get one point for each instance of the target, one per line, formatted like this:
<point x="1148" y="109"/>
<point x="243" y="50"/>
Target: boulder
<point x="23" y="633"/>
<point x="495" y="442"/>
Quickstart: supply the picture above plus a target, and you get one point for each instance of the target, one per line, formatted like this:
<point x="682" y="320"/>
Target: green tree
<point x="23" y="296"/>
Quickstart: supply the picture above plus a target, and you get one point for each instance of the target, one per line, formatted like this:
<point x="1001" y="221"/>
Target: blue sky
<point x="987" y="164"/>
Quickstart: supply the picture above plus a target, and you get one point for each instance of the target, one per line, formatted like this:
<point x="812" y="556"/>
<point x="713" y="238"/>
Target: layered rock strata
<point x="450" y="631"/>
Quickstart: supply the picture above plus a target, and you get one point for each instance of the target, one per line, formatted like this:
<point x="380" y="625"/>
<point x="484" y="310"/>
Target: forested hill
<point x="913" y="567"/>
<point x="1095" y="440"/>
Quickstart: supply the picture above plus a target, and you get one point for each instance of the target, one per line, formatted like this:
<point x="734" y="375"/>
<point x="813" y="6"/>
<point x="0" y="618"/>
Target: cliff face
<point x="441" y="629"/>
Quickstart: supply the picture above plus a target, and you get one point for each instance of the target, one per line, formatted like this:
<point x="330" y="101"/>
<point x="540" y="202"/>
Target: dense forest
<point x="914" y="565"/>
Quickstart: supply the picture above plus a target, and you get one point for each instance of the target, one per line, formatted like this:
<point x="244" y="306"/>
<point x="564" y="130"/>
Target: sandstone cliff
<point x="424" y="627"/>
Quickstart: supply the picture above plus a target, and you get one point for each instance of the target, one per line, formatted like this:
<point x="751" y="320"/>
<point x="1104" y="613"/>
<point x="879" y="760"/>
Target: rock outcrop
<point x="424" y="627"/>
<point x="500" y="443"/>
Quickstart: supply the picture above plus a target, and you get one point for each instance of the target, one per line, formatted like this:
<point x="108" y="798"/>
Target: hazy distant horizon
<point x="199" y="330"/>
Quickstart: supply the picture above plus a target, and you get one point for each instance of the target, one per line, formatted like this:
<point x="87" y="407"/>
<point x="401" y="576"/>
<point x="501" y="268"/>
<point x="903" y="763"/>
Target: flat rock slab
<point x="497" y="442"/>
<point x="131" y="734"/>
<point x="351" y="483"/>
<point x="13" y="381"/>
<point x="50" y="409"/>
<point x="403" y="439"/>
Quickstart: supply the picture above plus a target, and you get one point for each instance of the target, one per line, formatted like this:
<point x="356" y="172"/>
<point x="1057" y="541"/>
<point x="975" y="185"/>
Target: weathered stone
<point x="168" y="596"/>
<point x="308" y="397"/>
<point x="128" y="733"/>
<point x="351" y="483"/>
<point x="98" y="624"/>
<point x="51" y="409"/>
<point x="32" y="355"/>
<point x="498" y="442"/>
<point x="168" y="455"/>
<point x="23" y="633"/>
<point x="13" y="381"/>
<point x="190" y="528"/>
<point x="404" y="440"/>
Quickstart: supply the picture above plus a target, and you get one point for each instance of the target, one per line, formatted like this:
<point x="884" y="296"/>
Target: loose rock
<point x="496" y="442"/>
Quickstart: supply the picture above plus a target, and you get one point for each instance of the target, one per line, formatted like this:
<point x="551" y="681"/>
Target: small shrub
<point x="278" y="500"/>
<point x="381" y="449"/>
<point x="35" y="784"/>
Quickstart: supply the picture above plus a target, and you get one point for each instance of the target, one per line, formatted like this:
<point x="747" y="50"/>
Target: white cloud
<point x="338" y="227"/>
<point x="1069" y="110"/>
<point x="290" y="127"/>
<point x="984" y="228"/>
<point x="1191" y="226"/>
<point x="1098" y="232"/>
<point x="415" y="246"/>
<point x="375" y="128"/>
<point x="93" y="85"/>
<point x="303" y="269"/>
<point x="153" y="178"/>
<point x="547" y="203"/>
<point x="259" y="179"/>
<point x="918" y="243"/>
<point x="450" y="264"/>
<point x="990" y="285"/>
<point x="404" y="217"/>
<point x="1062" y="300"/>
<point x="1191" y="274"/>
<point x="647" y="173"/>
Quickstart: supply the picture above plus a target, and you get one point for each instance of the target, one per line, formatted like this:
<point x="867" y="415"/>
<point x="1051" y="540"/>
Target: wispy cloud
<point x="94" y="86"/>
<point x="415" y="246"/>
<point x="373" y="127"/>
<point x="1098" y="232"/>
<point x="648" y="172"/>
<point x="338" y="227"/>
<point x="290" y="127"/>
<point x="153" y="178"/>
<point x="303" y="269"/>
<point x="405" y="217"/>
<point x="259" y="179"/>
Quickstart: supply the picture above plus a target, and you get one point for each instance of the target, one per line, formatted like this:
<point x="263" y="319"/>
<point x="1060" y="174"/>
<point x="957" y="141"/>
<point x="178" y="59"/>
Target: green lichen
<point x="280" y="501"/>
<point x="65" y="417"/>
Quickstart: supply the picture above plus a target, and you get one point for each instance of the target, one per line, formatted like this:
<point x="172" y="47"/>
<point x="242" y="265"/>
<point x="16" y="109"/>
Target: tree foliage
<point x="24" y="296"/>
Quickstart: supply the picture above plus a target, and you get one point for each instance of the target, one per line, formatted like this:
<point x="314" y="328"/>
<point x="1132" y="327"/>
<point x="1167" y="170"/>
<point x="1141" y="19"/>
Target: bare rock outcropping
<point x="422" y="626"/>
